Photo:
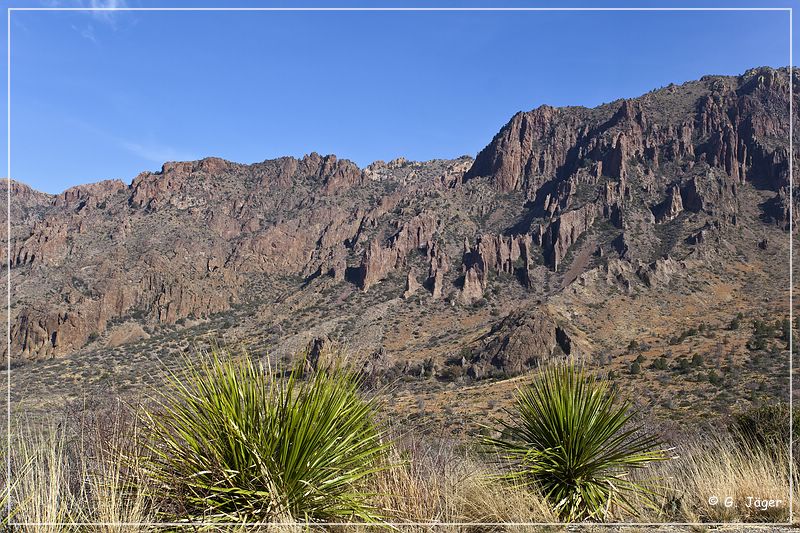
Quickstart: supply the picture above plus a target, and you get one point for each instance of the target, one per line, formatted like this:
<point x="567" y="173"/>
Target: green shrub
<point x="757" y="343"/>
<point x="660" y="363"/>
<point x="767" y="425"/>
<point x="683" y="336"/>
<point x="683" y="364"/>
<point x="762" y="329"/>
<point x="231" y="441"/>
<point x="571" y="437"/>
<point x="785" y="328"/>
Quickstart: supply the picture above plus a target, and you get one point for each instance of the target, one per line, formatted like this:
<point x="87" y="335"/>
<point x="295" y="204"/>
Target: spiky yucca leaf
<point x="569" y="434"/>
<point x="235" y="442"/>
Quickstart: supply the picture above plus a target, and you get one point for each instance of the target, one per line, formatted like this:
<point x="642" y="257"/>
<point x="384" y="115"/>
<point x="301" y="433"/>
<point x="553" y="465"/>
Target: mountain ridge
<point x="749" y="73"/>
<point x="464" y="269"/>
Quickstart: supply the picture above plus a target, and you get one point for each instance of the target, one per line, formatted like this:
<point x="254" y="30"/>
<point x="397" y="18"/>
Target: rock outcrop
<point x="439" y="266"/>
<point x="659" y="272"/>
<point x="496" y="253"/>
<point x="380" y="258"/>
<point x="644" y="181"/>
<point x="521" y="341"/>
<point x="733" y="131"/>
<point x="671" y="207"/>
<point x="412" y="285"/>
<point x="565" y="231"/>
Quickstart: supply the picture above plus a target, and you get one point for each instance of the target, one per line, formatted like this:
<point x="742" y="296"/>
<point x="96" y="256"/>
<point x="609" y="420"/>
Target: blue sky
<point x="102" y="95"/>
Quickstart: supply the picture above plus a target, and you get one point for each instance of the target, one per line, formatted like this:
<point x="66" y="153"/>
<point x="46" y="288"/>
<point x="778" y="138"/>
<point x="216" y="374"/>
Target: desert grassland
<point x="96" y="467"/>
<point x="57" y="481"/>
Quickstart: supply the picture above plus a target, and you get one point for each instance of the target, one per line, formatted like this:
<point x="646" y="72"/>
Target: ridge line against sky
<point x="162" y="160"/>
<point x="106" y="95"/>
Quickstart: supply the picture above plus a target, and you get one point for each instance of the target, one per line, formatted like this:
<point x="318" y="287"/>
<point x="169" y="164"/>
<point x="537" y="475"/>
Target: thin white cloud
<point x="103" y="15"/>
<point x="149" y="149"/>
<point x="156" y="153"/>
<point x="111" y="4"/>
<point x="87" y="32"/>
<point x="108" y="17"/>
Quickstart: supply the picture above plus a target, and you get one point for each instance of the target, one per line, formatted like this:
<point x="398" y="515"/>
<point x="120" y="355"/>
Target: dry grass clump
<point x="725" y="466"/>
<point x="482" y="499"/>
<point x="442" y="482"/>
<point x="74" y="472"/>
<point x="44" y="477"/>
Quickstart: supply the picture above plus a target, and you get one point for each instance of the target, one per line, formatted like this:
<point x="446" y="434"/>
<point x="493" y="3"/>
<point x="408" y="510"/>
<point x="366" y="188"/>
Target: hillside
<point x="631" y="235"/>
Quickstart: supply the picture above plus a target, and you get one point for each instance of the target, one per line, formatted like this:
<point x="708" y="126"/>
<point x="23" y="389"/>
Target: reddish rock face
<point x="495" y="253"/>
<point x="439" y="267"/>
<point x="736" y="131"/>
<point x="412" y="285"/>
<point x="381" y="259"/>
<point x="529" y="150"/>
<point x="186" y="241"/>
<point x="518" y="343"/>
<point x="730" y="128"/>
<point x="200" y="237"/>
<point x="671" y="207"/>
<point x="90" y="195"/>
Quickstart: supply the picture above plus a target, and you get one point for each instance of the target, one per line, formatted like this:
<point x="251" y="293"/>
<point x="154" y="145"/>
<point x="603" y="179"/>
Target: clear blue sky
<point x="97" y="96"/>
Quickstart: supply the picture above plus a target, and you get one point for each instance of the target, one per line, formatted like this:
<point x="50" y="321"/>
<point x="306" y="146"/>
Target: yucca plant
<point x="570" y="435"/>
<point x="235" y="442"/>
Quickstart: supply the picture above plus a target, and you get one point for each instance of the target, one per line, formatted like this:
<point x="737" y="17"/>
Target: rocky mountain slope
<point x="574" y="232"/>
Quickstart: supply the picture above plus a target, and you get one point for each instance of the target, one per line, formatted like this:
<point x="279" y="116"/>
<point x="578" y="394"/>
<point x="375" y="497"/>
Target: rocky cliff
<point x="622" y="194"/>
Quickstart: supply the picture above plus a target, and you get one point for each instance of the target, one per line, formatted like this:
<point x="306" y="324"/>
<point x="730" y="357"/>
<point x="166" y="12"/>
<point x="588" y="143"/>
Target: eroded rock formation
<point x="521" y="341"/>
<point x="640" y="180"/>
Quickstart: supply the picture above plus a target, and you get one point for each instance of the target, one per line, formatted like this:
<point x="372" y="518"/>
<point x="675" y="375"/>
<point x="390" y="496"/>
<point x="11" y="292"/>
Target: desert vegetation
<point x="570" y="436"/>
<point x="230" y="441"/>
